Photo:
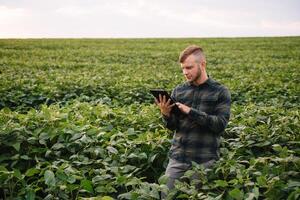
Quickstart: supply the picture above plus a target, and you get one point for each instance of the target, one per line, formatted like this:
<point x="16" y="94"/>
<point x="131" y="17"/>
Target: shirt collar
<point x="208" y="81"/>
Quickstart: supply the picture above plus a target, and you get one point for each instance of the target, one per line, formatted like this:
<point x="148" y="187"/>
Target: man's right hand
<point x="164" y="105"/>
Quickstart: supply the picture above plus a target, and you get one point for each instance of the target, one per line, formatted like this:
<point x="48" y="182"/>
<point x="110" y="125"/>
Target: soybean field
<point x="77" y="120"/>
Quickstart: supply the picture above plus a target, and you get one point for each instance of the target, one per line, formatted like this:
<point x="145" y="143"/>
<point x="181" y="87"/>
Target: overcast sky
<point x="152" y="18"/>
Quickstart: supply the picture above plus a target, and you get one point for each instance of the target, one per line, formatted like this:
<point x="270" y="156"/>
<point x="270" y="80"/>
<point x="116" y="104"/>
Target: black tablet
<point x="157" y="92"/>
<point x="162" y="92"/>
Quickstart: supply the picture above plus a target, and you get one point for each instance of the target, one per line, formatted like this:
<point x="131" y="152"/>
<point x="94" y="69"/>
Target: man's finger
<point x="156" y="101"/>
<point x="178" y="104"/>
<point x="170" y="106"/>
<point x="160" y="98"/>
<point x="164" y="99"/>
<point x="168" y="102"/>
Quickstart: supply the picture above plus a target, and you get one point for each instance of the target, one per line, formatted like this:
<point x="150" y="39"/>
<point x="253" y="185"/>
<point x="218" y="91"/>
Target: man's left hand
<point x="185" y="109"/>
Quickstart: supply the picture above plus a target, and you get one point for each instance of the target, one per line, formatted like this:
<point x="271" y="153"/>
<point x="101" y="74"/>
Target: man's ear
<point x="203" y="64"/>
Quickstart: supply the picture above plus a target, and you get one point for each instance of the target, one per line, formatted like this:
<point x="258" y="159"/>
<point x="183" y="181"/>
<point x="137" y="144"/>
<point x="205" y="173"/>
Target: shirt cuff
<point x="199" y="116"/>
<point x="165" y="117"/>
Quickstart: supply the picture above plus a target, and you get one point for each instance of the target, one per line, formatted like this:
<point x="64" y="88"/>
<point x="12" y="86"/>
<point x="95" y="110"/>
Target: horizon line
<point x="170" y="37"/>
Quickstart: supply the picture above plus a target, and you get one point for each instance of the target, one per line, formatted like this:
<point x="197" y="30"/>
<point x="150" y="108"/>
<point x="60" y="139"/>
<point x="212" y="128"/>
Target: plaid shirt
<point x="197" y="134"/>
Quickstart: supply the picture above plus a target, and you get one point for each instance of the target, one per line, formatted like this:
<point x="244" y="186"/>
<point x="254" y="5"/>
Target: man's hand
<point x="164" y="105"/>
<point x="185" y="109"/>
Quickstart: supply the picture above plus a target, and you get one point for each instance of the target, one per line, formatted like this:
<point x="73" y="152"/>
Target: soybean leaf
<point x="49" y="178"/>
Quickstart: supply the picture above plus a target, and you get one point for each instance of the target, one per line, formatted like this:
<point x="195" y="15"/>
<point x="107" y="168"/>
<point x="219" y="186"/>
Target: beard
<point x="197" y="77"/>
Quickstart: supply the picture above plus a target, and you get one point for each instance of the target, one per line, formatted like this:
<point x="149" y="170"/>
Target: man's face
<point x="191" y="69"/>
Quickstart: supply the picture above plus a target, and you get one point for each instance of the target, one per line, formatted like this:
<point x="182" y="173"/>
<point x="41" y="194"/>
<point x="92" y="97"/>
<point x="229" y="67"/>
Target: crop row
<point x="34" y="72"/>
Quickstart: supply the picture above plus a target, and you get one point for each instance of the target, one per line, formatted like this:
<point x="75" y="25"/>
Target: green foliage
<point x="77" y="120"/>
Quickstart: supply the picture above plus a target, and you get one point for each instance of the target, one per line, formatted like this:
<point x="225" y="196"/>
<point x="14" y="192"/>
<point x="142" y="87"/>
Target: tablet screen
<point x="157" y="92"/>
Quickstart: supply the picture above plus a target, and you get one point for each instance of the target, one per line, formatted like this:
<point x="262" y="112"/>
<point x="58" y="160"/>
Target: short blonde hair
<point x="191" y="50"/>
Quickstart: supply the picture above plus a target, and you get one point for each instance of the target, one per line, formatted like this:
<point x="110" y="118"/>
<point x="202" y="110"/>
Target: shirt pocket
<point x="208" y="104"/>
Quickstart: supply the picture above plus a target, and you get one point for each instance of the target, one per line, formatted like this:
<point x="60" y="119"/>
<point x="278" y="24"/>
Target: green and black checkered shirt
<point x="197" y="134"/>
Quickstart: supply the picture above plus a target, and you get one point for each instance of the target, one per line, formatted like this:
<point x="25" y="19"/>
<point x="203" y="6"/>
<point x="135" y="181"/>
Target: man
<point x="205" y="110"/>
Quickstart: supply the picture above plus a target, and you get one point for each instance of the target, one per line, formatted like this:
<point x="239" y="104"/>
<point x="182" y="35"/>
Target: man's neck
<point x="200" y="80"/>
